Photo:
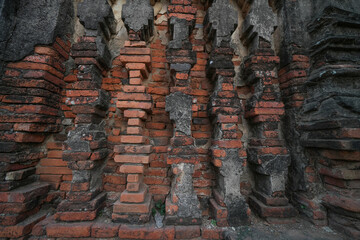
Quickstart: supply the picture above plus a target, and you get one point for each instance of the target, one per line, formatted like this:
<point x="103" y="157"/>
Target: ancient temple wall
<point x="113" y="110"/>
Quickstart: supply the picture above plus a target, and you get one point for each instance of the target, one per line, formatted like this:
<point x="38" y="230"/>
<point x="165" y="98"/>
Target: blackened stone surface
<point x="270" y="164"/>
<point x="348" y="5"/>
<point x="179" y="28"/>
<point x="103" y="52"/>
<point x="138" y="15"/>
<point x="27" y="23"/>
<point x="179" y="32"/>
<point x="93" y="14"/>
<point x="294" y="17"/>
<point x="179" y="106"/>
<point x="7" y="24"/>
<point x="270" y="184"/>
<point x="260" y="22"/>
<point x="180" y="67"/>
<point x="222" y="20"/>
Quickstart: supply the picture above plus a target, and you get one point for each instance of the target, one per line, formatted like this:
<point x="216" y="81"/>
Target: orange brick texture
<point x="205" y="116"/>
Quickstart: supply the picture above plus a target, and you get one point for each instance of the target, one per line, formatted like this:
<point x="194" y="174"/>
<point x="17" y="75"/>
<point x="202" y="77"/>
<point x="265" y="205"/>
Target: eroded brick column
<point x="182" y="204"/>
<point x="330" y="121"/>
<point x="228" y="206"/>
<point x="30" y="94"/>
<point x="267" y="153"/>
<point x="304" y="182"/>
<point x="86" y="146"/>
<point x="134" y="204"/>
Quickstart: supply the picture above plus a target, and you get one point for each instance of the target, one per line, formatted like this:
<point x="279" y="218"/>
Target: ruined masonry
<point x="150" y="119"/>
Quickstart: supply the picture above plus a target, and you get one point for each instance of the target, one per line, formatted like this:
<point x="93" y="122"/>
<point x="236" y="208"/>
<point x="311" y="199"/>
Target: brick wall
<point x="91" y="136"/>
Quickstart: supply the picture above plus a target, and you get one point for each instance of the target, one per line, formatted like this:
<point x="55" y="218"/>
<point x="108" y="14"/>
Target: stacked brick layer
<point x="135" y="202"/>
<point x="68" y="149"/>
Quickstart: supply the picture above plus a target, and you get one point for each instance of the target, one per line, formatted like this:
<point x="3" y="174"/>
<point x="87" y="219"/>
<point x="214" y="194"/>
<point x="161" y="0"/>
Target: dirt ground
<point x="300" y="230"/>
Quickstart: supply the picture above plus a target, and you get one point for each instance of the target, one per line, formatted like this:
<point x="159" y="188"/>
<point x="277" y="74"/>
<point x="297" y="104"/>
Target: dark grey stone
<point x="293" y="19"/>
<point x="179" y="32"/>
<point x="103" y="53"/>
<point x="179" y="106"/>
<point x="80" y="176"/>
<point x="74" y="140"/>
<point x="270" y="184"/>
<point x="222" y="20"/>
<point x="27" y="23"/>
<point x="96" y="14"/>
<point x="180" y="67"/>
<point x="260" y="22"/>
<point x="189" y="205"/>
<point x="179" y="29"/>
<point x="228" y="184"/>
<point x="270" y="164"/>
<point x="348" y="5"/>
<point x="138" y="15"/>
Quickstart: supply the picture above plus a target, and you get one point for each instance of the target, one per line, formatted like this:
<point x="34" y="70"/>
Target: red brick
<point x="138" y="66"/>
<point x="137" y="89"/>
<point x="228" y="143"/>
<point x="146" y="232"/>
<point x="135" y="59"/>
<point x="114" y="179"/>
<point x="135" y="122"/>
<point x="210" y="233"/>
<point x="37" y="66"/>
<point x="187" y="232"/>
<point x="59" y="230"/>
<point x="135" y="51"/>
<point x="134" y="197"/>
<point x="159" y="189"/>
<point x="53" y="170"/>
<point x="135" y="81"/>
<point x="132" y="159"/>
<point x="135" y="114"/>
<point x="105" y="230"/>
<point x="133" y="178"/>
<point x="76" y="216"/>
<point x="132" y="139"/>
<point x="139" y="44"/>
<point x="120" y="207"/>
<point x="126" y="168"/>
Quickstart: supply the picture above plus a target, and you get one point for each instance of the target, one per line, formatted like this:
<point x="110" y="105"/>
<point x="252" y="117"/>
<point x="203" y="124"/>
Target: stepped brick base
<point x="273" y="214"/>
<point x="23" y="228"/>
<point x="132" y="213"/>
<point x="104" y="228"/>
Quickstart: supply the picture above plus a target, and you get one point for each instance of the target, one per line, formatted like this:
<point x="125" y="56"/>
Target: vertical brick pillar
<point x="86" y="146"/>
<point x="182" y="204"/>
<point x="267" y="154"/>
<point x="135" y="202"/>
<point x="331" y="111"/>
<point x="228" y="206"/>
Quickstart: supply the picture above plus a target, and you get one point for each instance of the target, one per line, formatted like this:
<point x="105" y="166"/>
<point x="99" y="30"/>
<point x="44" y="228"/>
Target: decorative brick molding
<point x="85" y="148"/>
<point x="182" y="204"/>
<point x="228" y="205"/>
<point x="135" y="203"/>
<point x="267" y="154"/>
